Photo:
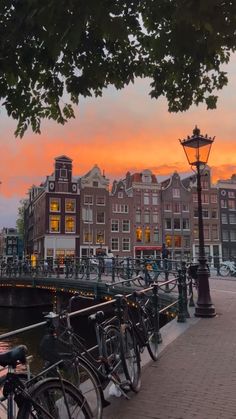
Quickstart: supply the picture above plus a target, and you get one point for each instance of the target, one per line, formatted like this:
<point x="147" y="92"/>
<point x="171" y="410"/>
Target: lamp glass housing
<point x="197" y="149"/>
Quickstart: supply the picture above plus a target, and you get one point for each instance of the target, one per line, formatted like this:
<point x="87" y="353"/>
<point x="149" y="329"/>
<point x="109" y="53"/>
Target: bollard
<point x="181" y="312"/>
<point x="87" y="268"/>
<point x="76" y="268"/>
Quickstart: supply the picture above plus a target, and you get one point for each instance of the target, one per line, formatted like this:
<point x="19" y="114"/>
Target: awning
<point x="147" y="247"/>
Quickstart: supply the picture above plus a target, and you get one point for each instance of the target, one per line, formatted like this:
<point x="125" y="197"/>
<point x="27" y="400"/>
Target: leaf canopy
<point x="51" y="50"/>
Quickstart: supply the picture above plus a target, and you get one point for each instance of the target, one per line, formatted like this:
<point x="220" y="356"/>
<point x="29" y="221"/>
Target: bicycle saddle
<point x="17" y="354"/>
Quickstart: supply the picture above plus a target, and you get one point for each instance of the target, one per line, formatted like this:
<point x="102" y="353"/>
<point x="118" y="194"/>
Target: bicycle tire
<point x="83" y="376"/>
<point x="139" y="282"/>
<point x="224" y="270"/>
<point x="131" y="358"/>
<point x="171" y="285"/>
<point x="47" y="401"/>
<point x="151" y="336"/>
<point x="81" y="271"/>
<point x="112" y="352"/>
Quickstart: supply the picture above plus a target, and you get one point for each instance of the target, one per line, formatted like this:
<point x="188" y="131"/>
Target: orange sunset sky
<point x="124" y="130"/>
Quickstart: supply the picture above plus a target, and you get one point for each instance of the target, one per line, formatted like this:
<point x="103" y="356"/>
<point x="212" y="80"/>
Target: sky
<point x="123" y="131"/>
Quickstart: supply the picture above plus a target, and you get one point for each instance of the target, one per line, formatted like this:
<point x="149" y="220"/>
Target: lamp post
<point x="197" y="149"/>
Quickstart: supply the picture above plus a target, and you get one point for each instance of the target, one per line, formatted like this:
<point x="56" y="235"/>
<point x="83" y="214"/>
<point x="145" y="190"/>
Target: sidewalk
<point x="195" y="376"/>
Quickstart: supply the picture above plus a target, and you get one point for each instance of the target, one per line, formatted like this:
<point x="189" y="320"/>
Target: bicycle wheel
<point x="131" y="358"/>
<point x="151" y="336"/>
<point x="167" y="276"/>
<point x="224" y="270"/>
<point x="55" y="399"/>
<point x="139" y="282"/>
<point x="113" y="353"/>
<point x="81" y="271"/>
<point x="82" y="376"/>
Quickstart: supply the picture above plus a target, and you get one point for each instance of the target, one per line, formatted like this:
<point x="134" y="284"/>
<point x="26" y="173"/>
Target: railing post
<point x="100" y="268"/>
<point x="76" y="267"/>
<point x="87" y="268"/>
<point x="155" y="304"/>
<point x="67" y="268"/>
<point x="181" y="312"/>
<point x="58" y="268"/>
<point x="185" y="291"/>
<point x="113" y="267"/>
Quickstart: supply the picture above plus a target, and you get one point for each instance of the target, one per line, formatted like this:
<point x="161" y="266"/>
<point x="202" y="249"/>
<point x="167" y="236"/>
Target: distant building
<point x="10" y="244"/>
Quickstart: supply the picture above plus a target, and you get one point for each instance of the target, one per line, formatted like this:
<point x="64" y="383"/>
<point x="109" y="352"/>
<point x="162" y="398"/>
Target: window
<point x="232" y="218"/>
<point x="100" y="217"/>
<point x="185" y="207"/>
<point x="95" y="184"/>
<point x="214" y="232"/>
<point x="232" y="234"/>
<point x="205" y="198"/>
<point x="214" y="198"/>
<point x="214" y="213"/>
<point x="63" y="173"/>
<point x="139" y="234"/>
<point x="88" y="236"/>
<point x="176" y="224"/>
<point x="114" y="226"/>
<point x="146" y="199"/>
<point x="205" y="213"/>
<point x="147" y="235"/>
<point x="120" y="208"/>
<point x="100" y="200"/>
<point x="87" y="214"/>
<point x="154" y="199"/>
<point x="126" y="226"/>
<point x="126" y="245"/>
<point x="147" y="216"/>
<point x="195" y="231"/>
<point x="204" y="184"/>
<point x="138" y="216"/>
<point x="69" y="224"/>
<point x="231" y="204"/>
<point x="55" y="204"/>
<point x="115" y="244"/>
<point x="195" y="199"/>
<point x="231" y="194"/>
<point x="55" y="221"/>
<point x="156" y="235"/>
<point x="155" y="217"/>
<point x="195" y="213"/>
<point x="225" y="235"/>
<point x="223" y="203"/>
<point x="88" y="199"/>
<point x="168" y="224"/>
<point x="70" y="205"/>
<point x="120" y="194"/>
<point x="176" y="193"/>
<point x="185" y="224"/>
<point x="224" y="218"/>
<point x="177" y="207"/>
<point x="206" y="231"/>
<point x="168" y="240"/>
<point x="167" y="206"/>
<point x="100" y="237"/>
<point x="177" y="241"/>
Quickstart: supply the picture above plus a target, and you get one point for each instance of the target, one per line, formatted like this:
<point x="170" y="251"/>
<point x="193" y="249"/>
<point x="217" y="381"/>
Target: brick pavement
<point x="195" y="375"/>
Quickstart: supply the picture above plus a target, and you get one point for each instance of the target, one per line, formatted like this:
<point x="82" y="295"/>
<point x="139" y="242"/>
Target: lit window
<point x="69" y="224"/>
<point x="168" y="240"/>
<point x="70" y="205"/>
<point x="177" y="241"/>
<point x="55" y="204"/>
<point x="88" y="236"/>
<point x="100" y="237"/>
<point x="147" y="235"/>
<point x="55" y="223"/>
<point x="139" y="234"/>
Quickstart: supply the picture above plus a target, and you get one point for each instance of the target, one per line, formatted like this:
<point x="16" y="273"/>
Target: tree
<point x="52" y="52"/>
<point x="20" y="218"/>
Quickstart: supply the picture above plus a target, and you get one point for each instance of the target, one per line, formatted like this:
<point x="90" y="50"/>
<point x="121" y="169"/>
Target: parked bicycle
<point x="227" y="268"/>
<point x="38" y="397"/>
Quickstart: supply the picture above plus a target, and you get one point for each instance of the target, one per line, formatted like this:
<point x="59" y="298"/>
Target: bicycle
<point x="227" y="268"/>
<point x="39" y="397"/>
<point x="111" y="364"/>
<point x="151" y="272"/>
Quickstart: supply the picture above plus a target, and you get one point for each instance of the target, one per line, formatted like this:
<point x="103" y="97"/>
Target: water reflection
<point x="13" y="319"/>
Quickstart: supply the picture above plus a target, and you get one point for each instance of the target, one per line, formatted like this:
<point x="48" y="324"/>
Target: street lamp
<point x="197" y="149"/>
